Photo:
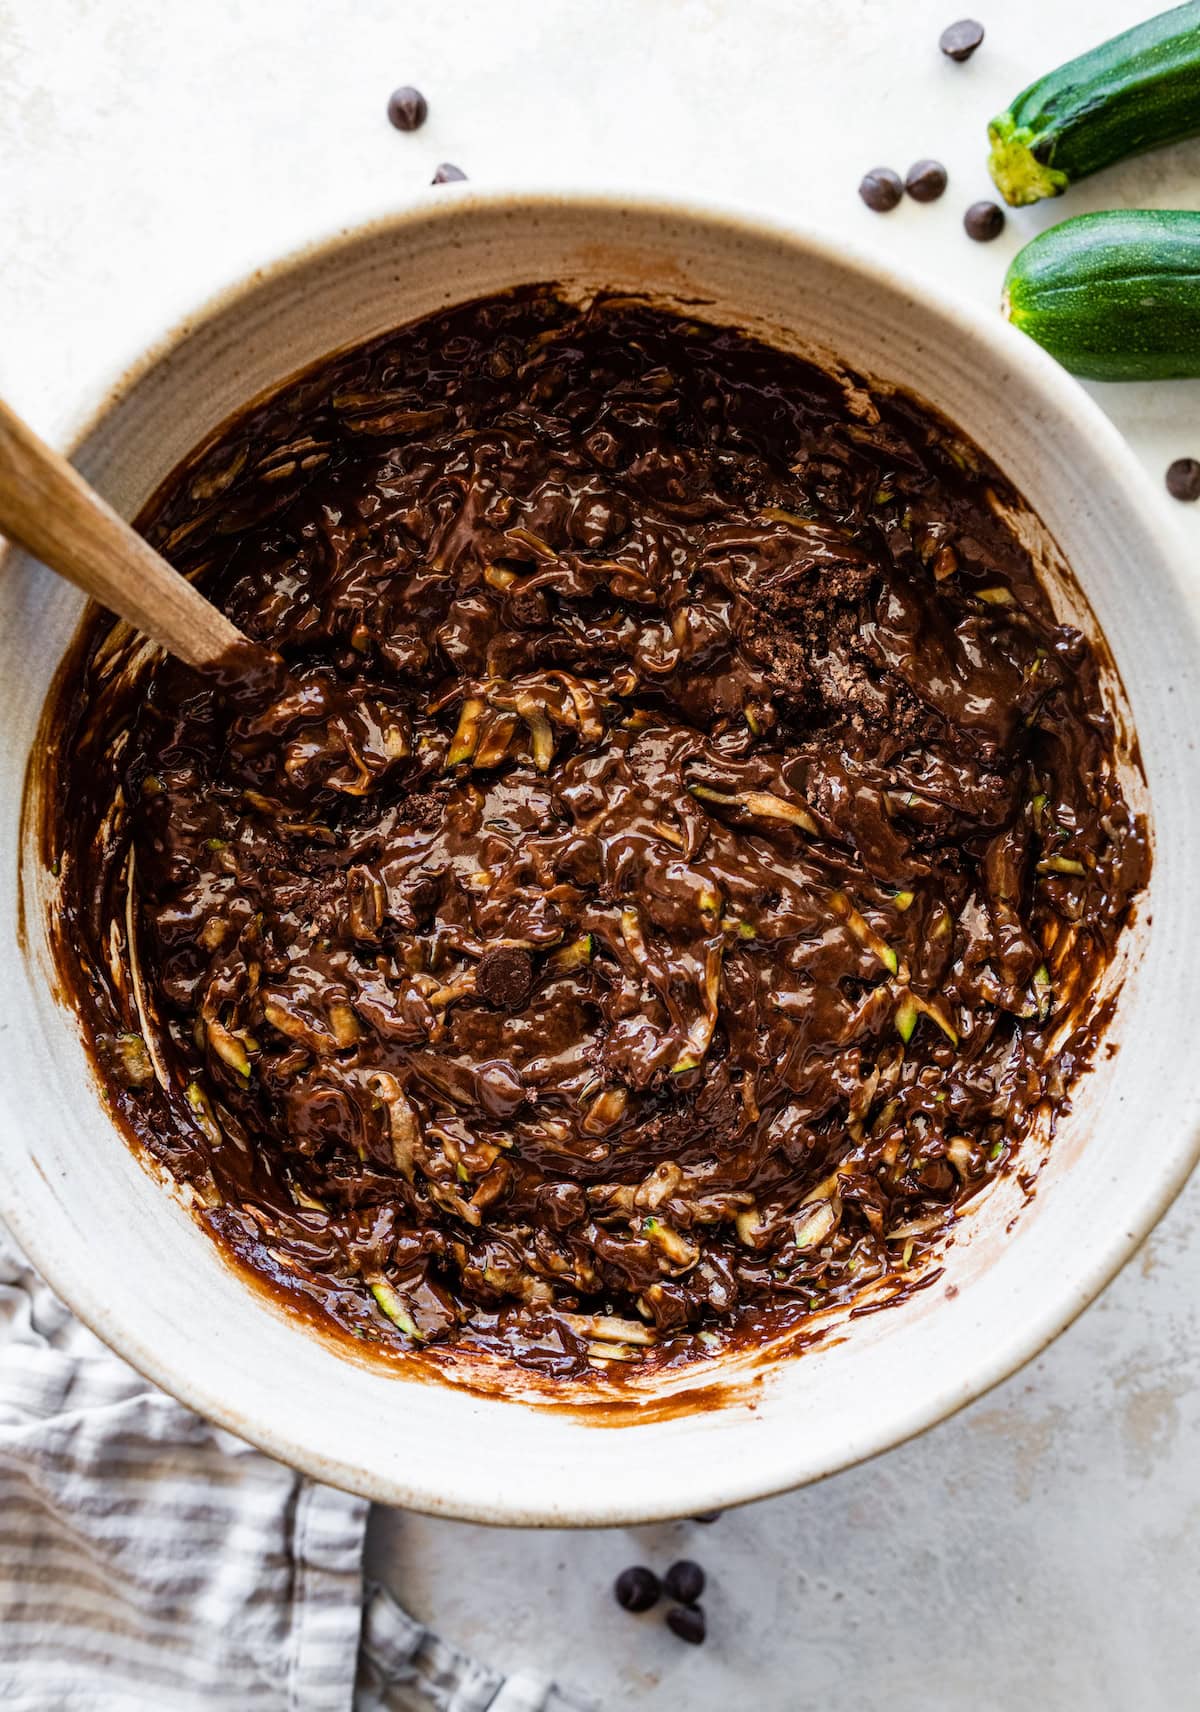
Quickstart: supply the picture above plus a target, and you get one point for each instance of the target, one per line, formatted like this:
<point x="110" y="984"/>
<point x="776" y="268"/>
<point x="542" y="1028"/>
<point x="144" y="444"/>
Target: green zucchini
<point x="1136" y="92"/>
<point x="1113" y="296"/>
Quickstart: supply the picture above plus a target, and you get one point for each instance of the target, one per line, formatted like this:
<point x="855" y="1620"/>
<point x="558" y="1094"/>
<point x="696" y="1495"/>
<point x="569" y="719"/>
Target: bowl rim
<point x="1062" y="394"/>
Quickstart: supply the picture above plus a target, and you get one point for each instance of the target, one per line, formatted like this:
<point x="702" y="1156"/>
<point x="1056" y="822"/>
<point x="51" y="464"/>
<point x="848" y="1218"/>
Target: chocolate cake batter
<point x="670" y="873"/>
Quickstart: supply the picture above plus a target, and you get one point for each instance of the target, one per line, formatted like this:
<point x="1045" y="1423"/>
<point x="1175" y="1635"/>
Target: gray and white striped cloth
<point x="149" y="1560"/>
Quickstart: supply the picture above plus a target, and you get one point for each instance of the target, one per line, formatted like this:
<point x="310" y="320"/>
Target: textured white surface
<point x="1044" y="1546"/>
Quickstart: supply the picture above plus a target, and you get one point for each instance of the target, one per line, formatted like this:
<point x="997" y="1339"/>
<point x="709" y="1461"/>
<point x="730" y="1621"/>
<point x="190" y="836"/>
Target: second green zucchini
<point x="1113" y="296"/>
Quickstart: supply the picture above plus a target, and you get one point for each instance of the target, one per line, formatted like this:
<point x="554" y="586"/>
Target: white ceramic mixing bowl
<point x="131" y="1261"/>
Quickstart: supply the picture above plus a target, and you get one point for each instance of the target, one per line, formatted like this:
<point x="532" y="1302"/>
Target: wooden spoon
<point x="48" y="508"/>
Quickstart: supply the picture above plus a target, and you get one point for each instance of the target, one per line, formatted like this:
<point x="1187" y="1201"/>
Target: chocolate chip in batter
<point x="422" y="808"/>
<point x="637" y="1588"/>
<point x="448" y="173"/>
<point x="529" y="609"/>
<point x="687" y="1621"/>
<point x="505" y="977"/>
<point x="1183" y="479"/>
<point x="407" y="108"/>
<point x="959" y="41"/>
<point x="983" y="221"/>
<point x="926" y="180"/>
<point x="499" y="1087"/>
<point x="561" y="1205"/>
<point x="881" y="189"/>
<point x="684" y="1581"/>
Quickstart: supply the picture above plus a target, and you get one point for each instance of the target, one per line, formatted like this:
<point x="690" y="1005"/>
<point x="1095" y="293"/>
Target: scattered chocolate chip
<point x="926" y="180"/>
<point x="637" y="1588"/>
<point x="881" y="189"/>
<point x="707" y="1516"/>
<point x="983" y="221"/>
<point x="407" y="108"/>
<point x="959" y="41"/>
<point x="687" y="1621"/>
<point x="684" y="1581"/>
<point x="504" y="977"/>
<point x="1183" y="479"/>
<point x="447" y="173"/>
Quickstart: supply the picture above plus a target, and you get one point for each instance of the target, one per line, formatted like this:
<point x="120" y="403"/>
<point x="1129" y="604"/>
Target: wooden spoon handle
<point x="50" y="510"/>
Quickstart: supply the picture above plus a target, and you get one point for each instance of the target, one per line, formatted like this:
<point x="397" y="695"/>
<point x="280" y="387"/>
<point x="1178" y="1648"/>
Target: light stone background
<point x="1042" y="1549"/>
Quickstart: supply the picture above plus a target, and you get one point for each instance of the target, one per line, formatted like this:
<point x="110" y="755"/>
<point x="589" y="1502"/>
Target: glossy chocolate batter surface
<point x="671" y="875"/>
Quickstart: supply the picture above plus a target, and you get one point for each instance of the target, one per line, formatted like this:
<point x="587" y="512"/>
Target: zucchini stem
<point x="1016" y="171"/>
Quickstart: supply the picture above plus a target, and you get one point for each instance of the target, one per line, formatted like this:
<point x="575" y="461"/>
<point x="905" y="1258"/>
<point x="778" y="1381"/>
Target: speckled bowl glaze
<point x="131" y="1261"/>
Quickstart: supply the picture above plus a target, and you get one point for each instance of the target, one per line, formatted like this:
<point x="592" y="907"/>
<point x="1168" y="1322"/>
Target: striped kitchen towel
<point x="150" y="1562"/>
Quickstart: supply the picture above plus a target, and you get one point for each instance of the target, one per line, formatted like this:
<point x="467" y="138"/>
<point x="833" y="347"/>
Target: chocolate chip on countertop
<point x="637" y="1588"/>
<point x="687" y="1621"/>
<point x="684" y="1581"/>
<point x="1183" y="479"/>
<point x="881" y="189"/>
<point x="983" y="221"/>
<point x="959" y="41"/>
<point x="707" y="1516"/>
<point x="407" y="108"/>
<point x="447" y="173"/>
<point x="926" y="180"/>
<point x="505" y="977"/>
